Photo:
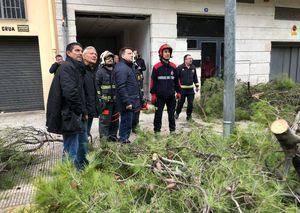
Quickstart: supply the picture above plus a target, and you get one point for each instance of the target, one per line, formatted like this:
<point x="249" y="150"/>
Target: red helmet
<point x="162" y="47"/>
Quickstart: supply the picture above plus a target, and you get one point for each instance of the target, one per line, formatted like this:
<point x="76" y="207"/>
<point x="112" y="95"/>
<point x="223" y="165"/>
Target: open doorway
<point x="108" y="31"/>
<point x="205" y="34"/>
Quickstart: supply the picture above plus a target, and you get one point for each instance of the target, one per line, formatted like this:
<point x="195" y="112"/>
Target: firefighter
<point x="188" y="78"/>
<point x="164" y="84"/>
<point x="106" y="89"/>
<point x="140" y="67"/>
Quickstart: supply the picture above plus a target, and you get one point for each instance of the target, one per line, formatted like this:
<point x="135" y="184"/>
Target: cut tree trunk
<point x="289" y="143"/>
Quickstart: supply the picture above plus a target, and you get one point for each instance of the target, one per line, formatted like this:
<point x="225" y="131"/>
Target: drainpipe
<point x="65" y="23"/>
<point x="229" y="71"/>
<point x="53" y="29"/>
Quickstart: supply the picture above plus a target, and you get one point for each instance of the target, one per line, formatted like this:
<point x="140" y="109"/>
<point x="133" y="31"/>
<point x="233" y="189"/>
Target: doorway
<point x="109" y="31"/>
<point x="206" y="34"/>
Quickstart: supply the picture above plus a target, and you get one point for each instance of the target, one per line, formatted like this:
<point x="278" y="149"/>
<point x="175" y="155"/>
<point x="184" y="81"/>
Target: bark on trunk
<point x="289" y="143"/>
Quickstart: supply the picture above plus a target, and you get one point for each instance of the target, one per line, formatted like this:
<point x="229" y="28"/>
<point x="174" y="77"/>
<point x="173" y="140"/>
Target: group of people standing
<point x="79" y="93"/>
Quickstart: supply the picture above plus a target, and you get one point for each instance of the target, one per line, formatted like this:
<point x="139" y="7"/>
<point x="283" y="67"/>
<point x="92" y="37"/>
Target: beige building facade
<point x="28" y="45"/>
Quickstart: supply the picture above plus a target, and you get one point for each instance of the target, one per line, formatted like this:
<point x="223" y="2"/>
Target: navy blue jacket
<point x="164" y="80"/>
<point x="127" y="86"/>
<point x="188" y="78"/>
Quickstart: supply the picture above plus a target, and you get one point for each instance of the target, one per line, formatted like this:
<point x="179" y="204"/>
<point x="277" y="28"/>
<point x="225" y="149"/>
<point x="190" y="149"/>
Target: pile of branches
<point x="18" y="145"/>
<point x="279" y="98"/>
<point x="194" y="172"/>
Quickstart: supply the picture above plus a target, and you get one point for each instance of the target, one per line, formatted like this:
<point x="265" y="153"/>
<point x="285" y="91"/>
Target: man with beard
<point x="188" y="78"/>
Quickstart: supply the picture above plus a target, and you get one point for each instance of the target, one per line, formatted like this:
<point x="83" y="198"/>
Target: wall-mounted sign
<point x="7" y="28"/>
<point x="294" y="30"/>
<point x="23" y="28"/>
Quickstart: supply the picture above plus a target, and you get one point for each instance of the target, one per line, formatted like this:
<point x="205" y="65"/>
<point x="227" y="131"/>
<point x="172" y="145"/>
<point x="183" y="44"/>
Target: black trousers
<point x="190" y="100"/>
<point x="109" y="121"/>
<point x="159" y="107"/>
<point x="135" y="119"/>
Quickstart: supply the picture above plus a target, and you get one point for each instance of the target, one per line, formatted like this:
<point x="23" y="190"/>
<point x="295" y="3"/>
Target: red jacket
<point x="207" y="69"/>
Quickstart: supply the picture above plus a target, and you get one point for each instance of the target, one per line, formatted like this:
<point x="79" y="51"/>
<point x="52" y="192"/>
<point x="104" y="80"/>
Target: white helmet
<point x="104" y="55"/>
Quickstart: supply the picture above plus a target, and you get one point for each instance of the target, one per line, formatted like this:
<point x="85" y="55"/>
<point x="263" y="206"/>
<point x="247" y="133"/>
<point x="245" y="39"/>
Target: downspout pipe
<point x="65" y="23"/>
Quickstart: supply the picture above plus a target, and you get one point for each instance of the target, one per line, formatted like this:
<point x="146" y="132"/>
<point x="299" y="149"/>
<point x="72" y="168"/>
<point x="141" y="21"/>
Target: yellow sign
<point x="294" y="31"/>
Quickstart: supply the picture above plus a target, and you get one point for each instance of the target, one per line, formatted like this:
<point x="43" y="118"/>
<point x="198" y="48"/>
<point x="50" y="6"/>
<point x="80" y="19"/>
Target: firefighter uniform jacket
<point x="164" y="80"/>
<point x="105" y="84"/>
<point x="187" y="77"/>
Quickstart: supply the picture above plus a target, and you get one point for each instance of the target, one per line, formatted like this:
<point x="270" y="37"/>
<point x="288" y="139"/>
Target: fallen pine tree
<point x="263" y="103"/>
<point x="192" y="172"/>
<point x="18" y="149"/>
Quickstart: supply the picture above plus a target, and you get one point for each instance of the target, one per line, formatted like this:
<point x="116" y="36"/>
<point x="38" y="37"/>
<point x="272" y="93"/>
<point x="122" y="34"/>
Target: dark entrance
<point x="108" y="31"/>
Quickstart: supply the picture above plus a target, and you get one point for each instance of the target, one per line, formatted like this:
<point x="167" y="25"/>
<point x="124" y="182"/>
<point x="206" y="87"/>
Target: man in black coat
<point x="128" y="93"/>
<point x="106" y="89"/>
<point x="65" y="106"/>
<point x="89" y="59"/>
<point x="188" y="78"/>
<point x="58" y="61"/>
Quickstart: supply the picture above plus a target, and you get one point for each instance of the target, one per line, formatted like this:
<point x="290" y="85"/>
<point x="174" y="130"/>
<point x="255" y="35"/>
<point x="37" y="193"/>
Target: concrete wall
<point x="139" y="39"/>
<point x="256" y="27"/>
<point x="40" y="19"/>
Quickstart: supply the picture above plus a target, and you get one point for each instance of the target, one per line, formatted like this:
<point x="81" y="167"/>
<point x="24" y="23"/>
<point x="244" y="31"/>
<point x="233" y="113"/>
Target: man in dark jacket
<point x="106" y="89"/>
<point x="89" y="59"/>
<point x="188" y="77"/>
<point x="164" y="84"/>
<point x="65" y="106"/>
<point x="58" y="61"/>
<point x="127" y="92"/>
<point x="140" y="67"/>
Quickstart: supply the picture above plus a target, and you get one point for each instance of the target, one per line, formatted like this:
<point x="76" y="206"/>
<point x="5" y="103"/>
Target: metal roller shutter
<point x="20" y="74"/>
<point x="285" y="60"/>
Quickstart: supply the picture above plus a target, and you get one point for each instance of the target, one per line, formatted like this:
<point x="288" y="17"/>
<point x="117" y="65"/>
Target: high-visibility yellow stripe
<point x="187" y="86"/>
<point x="108" y="86"/>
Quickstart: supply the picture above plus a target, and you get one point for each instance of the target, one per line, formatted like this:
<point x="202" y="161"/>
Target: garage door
<point x="285" y="60"/>
<point x="20" y="74"/>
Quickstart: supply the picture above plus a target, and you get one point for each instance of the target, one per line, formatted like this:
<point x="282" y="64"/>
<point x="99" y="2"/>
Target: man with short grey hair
<point x="89" y="56"/>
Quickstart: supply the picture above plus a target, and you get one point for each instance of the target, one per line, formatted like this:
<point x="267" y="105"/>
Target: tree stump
<point x="289" y="143"/>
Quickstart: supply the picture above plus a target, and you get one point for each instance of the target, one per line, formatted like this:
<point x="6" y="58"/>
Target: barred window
<point x="12" y="9"/>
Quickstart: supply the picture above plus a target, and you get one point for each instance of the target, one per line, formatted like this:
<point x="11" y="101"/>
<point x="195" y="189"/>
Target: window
<point x="191" y="44"/>
<point x="287" y="13"/>
<point x="200" y="26"/>
<point x="12" y="9"/>
<point x="246" y="1"/>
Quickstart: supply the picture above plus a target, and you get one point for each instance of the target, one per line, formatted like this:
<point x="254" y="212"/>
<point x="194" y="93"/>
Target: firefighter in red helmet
<point x="164" y="84"/>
